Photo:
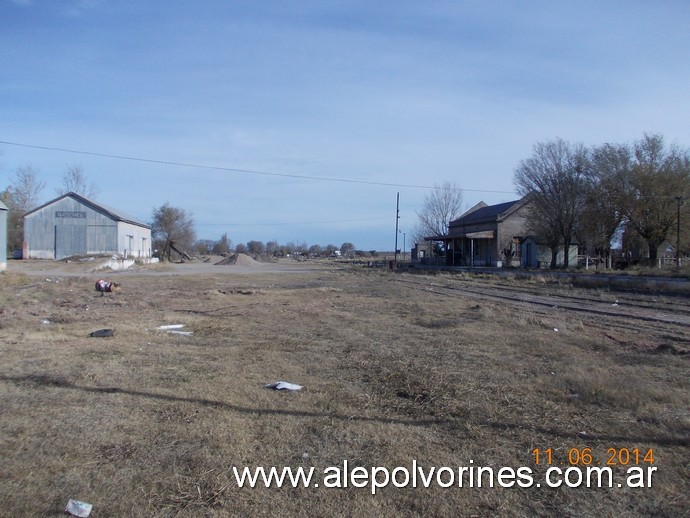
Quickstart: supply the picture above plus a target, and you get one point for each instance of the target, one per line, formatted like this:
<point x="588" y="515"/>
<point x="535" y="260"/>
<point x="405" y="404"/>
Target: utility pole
<point x="678" y="198"/>
<point x="397" y="217"/>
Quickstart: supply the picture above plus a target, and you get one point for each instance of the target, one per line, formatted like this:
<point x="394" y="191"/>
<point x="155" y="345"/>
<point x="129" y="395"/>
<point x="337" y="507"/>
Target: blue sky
<point x="403" y="93"/>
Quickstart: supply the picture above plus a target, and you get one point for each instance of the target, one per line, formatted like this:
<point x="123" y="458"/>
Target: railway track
<point x="646" y="308"/>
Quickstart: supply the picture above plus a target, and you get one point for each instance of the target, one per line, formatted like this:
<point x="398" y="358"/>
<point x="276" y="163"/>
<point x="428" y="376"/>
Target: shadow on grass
<point x="48" y="381"/>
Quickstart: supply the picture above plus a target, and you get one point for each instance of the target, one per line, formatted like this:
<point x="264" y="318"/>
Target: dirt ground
<point x="209" y="265"/>
<point x="400" y="370"/>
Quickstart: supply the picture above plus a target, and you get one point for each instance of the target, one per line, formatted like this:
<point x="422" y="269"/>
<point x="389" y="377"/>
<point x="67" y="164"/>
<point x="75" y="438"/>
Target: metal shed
<point x="4" y="211"/>
<point x="74" y="225"/>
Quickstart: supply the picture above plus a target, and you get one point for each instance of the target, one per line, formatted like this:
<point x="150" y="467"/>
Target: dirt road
<point x="97" y="267"/>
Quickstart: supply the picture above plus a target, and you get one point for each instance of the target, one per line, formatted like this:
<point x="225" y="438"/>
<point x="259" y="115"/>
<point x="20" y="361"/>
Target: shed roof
<point x="3" y="206"/>
<point x="115" y="214"/>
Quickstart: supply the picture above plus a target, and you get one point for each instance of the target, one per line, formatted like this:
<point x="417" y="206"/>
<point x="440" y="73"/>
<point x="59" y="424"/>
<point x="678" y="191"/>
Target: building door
<point x="70" y="240"/>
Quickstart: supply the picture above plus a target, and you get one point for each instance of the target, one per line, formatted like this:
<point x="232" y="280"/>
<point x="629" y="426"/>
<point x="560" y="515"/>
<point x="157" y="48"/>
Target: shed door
<point x="70" y="240"/>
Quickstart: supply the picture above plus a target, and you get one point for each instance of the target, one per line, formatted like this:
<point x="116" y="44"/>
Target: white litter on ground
<point x="284" y="385"/>
<point x="78" y="508"/>
<point x="174" y="329"/>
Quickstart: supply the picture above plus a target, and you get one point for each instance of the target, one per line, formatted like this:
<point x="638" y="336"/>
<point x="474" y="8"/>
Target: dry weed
<point x="148" y="423"/>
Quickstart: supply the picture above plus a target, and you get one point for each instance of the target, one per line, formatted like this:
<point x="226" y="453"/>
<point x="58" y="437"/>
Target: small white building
<point x="74" y="225"/>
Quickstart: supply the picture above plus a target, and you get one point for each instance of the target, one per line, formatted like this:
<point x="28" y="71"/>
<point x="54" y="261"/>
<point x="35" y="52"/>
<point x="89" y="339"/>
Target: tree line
<point x="173" y="228"/>
<point x="629" y="193"/>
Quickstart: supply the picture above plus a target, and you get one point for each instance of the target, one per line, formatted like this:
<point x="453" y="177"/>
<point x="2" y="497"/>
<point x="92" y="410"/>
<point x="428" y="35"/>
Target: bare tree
<point x="172" y="227"/>
<point x="21" y="196"/>
<point x="204" y="246"/>
<point x="26" y="188"/>
<point x="441" y="206"/>
<point x="272" y="248"/>
<point x="256" y="248"/>
<point x="659" y="174"/>
<point x="301" y="248"/>
<point x="554" y="178"/>
<point x="74" y="180"/>
<point x="223" y="245"/>
<point x="602" y="216"/>
<point x="540" y="224"/>
<point x="346" y="248"/>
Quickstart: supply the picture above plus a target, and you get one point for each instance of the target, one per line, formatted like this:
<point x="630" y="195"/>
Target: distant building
<point x="496" y="235"/>
<point x="4" y="211"/>
<point x="74" y="225"/>
<point x="486" y="235"/>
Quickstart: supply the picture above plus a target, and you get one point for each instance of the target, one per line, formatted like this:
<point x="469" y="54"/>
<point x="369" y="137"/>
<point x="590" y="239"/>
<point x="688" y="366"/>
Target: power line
<point x="283" y="223"/>
<point x="233" y="169"/>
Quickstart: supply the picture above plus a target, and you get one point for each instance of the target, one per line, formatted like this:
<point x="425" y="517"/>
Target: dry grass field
<point x="396" y="368"/>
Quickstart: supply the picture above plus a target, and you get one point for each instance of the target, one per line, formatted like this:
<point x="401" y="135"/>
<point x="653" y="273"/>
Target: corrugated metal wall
<point x="134" y="240"/>
<point x="67" y="227"/>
